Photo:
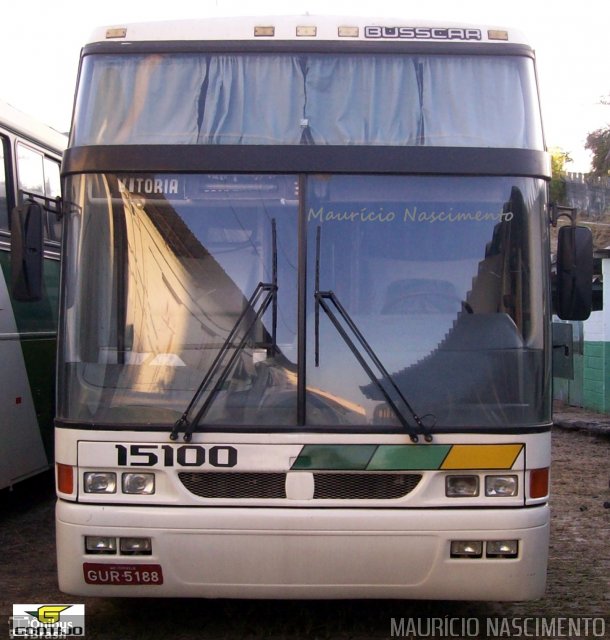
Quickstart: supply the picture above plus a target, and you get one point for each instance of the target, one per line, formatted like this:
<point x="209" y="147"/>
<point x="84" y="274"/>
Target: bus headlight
<point x="502" y="548"/>
<point x="501" y="486"/>
<point x="138" y="483"/>
<point x="100" y="544"/>
<point x="100" y="482"/>
<point x="135" y="546"/>
<point x="466" y="548"/>
<point x="461" y="486"/>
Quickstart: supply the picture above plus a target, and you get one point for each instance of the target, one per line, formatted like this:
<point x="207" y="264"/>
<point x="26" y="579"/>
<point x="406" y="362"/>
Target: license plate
<point x="123" y="574"/>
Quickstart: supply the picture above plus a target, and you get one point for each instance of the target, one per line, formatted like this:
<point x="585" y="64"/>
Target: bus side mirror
<point x="27" y="249"/>
<point x="574" y="273"/>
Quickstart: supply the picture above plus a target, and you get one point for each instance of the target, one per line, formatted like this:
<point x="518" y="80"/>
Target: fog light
<point x="100" y="482"/>
<point x="461" y="486"/>
<point x="135" y="546"/>
<point x="466" y="548"/>
<point x="100" y="545"/>
<point x="139" y="483"/>
<point x="502" y="548"/>
<point x="501" y="486"/>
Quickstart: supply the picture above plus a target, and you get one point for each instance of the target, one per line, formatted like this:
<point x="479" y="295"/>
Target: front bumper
<point x="308" y="553"/>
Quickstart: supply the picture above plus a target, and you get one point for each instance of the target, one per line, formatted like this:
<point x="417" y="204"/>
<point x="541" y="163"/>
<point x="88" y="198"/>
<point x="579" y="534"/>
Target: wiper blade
<point x="263" y="295"/>
<point x="322" y="299"/>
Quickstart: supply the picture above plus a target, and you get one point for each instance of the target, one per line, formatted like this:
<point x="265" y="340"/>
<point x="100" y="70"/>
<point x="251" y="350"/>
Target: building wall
<point x="591" y="384"/>
<point x="590" y="194"/>
<point x="596" y="371"/>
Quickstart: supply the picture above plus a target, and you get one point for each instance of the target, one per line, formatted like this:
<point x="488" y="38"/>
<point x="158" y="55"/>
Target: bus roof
<point x="307" y="27"/>
<point x="28" y="127"/>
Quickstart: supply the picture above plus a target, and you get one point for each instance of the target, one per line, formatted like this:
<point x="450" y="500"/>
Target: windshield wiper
<point x="325" y="299"/>
<point x="264" y="294"/>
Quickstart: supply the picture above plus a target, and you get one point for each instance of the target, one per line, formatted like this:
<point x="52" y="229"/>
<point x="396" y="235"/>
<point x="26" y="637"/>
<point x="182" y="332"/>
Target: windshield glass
<point x="379" y="99"/>
<point x="198" y="278"/>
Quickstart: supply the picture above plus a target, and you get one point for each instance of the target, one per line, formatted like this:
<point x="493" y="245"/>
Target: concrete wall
<point x="590" y="194"/>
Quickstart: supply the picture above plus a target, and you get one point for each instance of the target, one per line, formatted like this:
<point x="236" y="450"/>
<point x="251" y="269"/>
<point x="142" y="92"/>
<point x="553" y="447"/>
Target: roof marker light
<point x="120" y="32"/>
<point x="349" y="32"/>
<point x="306" y="32"/>
<point x="497" y="34"/>
<point x="267" y="32"/>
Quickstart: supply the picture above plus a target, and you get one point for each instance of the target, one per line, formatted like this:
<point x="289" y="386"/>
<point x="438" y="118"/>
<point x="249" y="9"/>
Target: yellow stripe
<point x="482" y="456"/>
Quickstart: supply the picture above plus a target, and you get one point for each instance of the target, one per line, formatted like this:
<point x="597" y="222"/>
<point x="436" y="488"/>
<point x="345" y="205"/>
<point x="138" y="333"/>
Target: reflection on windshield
<point x="441" y="276"/>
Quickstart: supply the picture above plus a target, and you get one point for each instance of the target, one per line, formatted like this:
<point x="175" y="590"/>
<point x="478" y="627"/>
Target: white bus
<point x="30" y="155"/>
<point x="304" y="331"/>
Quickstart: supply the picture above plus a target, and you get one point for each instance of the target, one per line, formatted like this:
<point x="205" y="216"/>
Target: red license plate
<point x="123" y="574"/>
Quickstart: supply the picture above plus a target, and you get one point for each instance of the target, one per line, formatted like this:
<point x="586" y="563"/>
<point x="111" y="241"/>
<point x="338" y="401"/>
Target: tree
<point x="598" y="142"/>
<point x="559" y="159"/>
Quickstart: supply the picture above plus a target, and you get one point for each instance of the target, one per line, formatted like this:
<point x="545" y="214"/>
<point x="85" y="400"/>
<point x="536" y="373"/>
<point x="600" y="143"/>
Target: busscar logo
<point x="421" y="33"/>
<point x="47" y="621"/>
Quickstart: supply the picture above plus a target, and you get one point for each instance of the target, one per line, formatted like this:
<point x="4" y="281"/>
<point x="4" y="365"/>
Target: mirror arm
<point x="51" y="205"/>
<point x="557" y="211"/>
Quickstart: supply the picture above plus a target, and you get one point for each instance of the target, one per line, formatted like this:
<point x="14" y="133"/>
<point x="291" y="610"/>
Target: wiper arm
<point x="322" y="299"/>
<point x="263" y="295"/>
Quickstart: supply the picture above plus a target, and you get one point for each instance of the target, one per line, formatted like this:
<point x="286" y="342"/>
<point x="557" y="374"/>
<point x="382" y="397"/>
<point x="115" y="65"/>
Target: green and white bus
<point x="30" y="155"/>
<point x="305" y="313"/>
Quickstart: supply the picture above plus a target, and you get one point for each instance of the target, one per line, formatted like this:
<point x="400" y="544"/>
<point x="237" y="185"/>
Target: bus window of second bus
<point x="39" y="175"/>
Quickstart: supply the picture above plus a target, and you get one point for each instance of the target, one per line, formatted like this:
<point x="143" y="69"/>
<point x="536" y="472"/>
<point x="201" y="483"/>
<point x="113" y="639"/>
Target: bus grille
<point x="364" y="486"/>
<point x="327" y="486"/>
<point x="217" y="484"/>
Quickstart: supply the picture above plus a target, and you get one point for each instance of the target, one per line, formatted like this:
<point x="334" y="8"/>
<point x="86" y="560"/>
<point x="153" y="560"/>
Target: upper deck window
<point x="272" y="99"/>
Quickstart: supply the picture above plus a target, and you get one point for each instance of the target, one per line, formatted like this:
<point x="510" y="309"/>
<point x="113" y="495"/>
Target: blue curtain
<point x="476" y="101"/>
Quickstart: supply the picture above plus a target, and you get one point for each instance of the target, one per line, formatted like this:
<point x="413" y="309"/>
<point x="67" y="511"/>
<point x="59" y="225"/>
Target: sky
<point x="41" y="40"/>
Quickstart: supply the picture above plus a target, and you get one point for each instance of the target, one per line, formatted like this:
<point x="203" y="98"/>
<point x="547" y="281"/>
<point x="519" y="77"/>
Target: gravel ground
<point x="579" y="567"/>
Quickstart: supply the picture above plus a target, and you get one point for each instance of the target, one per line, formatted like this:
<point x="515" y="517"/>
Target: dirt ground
<point x="579" y="568"/>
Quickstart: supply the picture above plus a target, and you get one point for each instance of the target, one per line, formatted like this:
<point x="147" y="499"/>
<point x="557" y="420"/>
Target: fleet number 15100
<point x="167" y="455"/>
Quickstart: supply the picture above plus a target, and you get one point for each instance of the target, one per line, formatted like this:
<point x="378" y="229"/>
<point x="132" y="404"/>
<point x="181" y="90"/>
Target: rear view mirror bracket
<point x="557" y="211"/>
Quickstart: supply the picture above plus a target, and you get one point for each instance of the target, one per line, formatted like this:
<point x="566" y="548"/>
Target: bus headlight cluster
<point x="467" y="486"/>
<point x="131" y="483"/>
<point x="493" y="548"/>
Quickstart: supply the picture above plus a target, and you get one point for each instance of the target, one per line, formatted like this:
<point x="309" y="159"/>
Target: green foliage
<point x="599" y="143"/>
<point x="559" y="159"/>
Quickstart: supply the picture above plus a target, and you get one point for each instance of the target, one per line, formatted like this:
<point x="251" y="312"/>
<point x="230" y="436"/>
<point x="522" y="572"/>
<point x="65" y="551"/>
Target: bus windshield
<point x="291" y="99"/>
<point x="442" y="276"/>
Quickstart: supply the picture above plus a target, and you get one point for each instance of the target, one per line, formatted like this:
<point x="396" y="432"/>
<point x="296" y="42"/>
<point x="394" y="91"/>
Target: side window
<point x="30" y="172"/>
<point x="52" y="189"/>
<point x="3" y="195"/>
<point x="39" y="174"/>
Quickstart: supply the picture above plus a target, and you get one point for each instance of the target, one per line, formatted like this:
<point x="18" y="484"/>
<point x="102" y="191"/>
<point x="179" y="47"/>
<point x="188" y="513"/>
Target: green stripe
<point x="408" y="457"/>
<point x="350" y="457"/>
<point x="370" y="457"/>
